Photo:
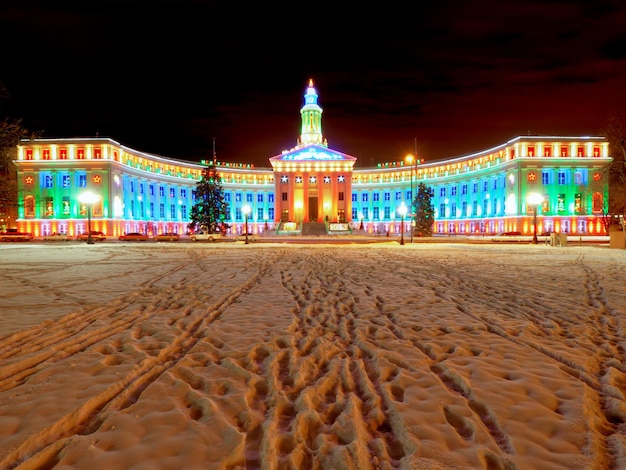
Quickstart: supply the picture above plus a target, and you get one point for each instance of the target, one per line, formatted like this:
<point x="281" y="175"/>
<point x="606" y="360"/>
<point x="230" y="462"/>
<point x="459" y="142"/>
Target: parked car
<point x="15" y="236"/>
<point x="167" y="237"/>
<point x="57" y="237"/>
<point x="205" y="237"/>
<point x="95" y="236"/>
<point x="134" y="237"/>
<point x="252" y="237"/>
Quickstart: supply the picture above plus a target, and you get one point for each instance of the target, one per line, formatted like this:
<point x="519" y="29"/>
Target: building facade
<point x="481" y="193"/>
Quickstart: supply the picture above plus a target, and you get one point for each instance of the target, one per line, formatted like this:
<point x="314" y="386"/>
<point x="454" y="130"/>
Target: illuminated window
<point x="49" y="206"/>
<point x="598" y="203"/>
<point x="97" y="153"/>
<point x="48" y="181"/>
<point x="560" y="203"/>
<point x="80" y="154"/>
<point x="547" y="151"/>
<point x="46" y="154"/>
<point x="563" y="150"/>
<point x="66" y="181"/>
<point x="29" y="206"/>
<point x="29" y="154"/>
<point x="63" y="154"/>
<point x="577" y="203"/>
<point x="531" y="151"/>
<point x="596" y="151"/>
<point x="580" y="151"/>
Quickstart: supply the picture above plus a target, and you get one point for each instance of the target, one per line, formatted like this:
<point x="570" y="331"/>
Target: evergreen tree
<point x="210" y="209"/>
<point x="424" y="211"/>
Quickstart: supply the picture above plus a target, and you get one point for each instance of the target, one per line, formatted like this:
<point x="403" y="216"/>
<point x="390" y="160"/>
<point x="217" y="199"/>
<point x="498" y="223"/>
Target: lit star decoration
<point x="532" y="176"/>
<point x="29" y="180"/>
<point x="312" y="179"/>
<point x="284" y="179"/>
<point x="298" y="179"/>
<point x="97" y="179"/>
<point x="326" y="179"/>
<point x="596" y="176"/>
<point x="341" y="178"/>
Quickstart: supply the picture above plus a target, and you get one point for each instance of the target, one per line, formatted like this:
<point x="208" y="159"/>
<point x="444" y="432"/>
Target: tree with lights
<point x="424" y="211"/>
<point x="210" y="209"/>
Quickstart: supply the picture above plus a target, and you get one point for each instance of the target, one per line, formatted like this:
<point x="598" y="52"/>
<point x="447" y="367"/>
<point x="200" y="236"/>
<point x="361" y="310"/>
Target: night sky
<point x="170" y="76"/>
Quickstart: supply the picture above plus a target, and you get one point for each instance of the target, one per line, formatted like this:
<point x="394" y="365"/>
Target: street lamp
<point x="534" y="199"/>
<point x="402" y="212"/>
<point x="89" y="199"/>
<point x="246" y="213"/>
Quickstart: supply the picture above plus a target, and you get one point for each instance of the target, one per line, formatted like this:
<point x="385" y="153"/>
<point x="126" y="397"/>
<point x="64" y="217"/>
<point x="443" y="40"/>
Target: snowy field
<point x="285" y="356"/>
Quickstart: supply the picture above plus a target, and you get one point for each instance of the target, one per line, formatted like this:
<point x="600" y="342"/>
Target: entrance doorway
<point x="313" y="209"/>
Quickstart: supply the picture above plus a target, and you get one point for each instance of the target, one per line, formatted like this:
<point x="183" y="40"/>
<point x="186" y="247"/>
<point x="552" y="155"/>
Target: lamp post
<point x="89" y="199"/>
<point x="246" y="212"/>
<point x="402" y="212"/>
<point x="534" y="199"/>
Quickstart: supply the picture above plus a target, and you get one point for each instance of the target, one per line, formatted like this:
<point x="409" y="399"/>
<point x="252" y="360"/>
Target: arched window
<point x="598" y="203"/>
<point x="29" y="206"/>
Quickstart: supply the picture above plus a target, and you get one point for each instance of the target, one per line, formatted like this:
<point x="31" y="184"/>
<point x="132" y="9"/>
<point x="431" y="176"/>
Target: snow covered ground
<point x="231" y="356"/>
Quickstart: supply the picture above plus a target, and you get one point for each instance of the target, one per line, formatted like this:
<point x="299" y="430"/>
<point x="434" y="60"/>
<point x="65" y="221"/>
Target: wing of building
<point x="482" y="193"/>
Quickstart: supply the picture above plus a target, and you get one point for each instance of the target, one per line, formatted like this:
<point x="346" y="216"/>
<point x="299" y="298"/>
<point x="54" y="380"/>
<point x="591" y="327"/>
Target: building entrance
<point x="313" y="209"/>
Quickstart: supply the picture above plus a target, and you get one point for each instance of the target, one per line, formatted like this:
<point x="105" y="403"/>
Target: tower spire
<point x="311" y="112"/>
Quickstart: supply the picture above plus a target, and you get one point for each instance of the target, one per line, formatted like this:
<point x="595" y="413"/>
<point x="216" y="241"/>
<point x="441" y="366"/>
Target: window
<point x="578" y="178"/>
<point x="387" y="212"/>
<point x="227" y="197"/>
<point x="141" y="209"/>
<point x="82" y="181"/>
<point x="259" y="197"/>
<point x="409" y="195"/>
<point x="580" y="151"/>
<point x="545" y="177"/>
<point x="151" y="206"/>
<point x="375" y="197"/>
<point x="162" y="193"/>
<point x="376" y="215"/>
<point x="259" y="213"/>
<point x="140" y="188"/>
<point x="464" y="189"/>
<point x="366" y="213"/>
<point x="442" y="210"/>
<point x="475" y="208"/>
<point x="453" y="191"/>
<point x="562" y="177"/>
<point x="340" y="196"/>
<point x="354" y="213"/>
<point x="270" y="214"/>
<point x="132" y="208"/>
<point x="151" y="190"/>
<point x="183" y="193"/>
<point x="495" y="183"/>
<point x="442" y="192"/>
<point x="172" y="192"/>
<point x="364" y="197"/>
<point x="66" y="181"/>
<point x="485" y="185"/>
<point x="486" y="207"/>
<point x="578" y="203"/>
<point x="237" y="213"/>
<point x="48" y="181"/>
<point x="66" y="205"/>
<point x="560" y="203"/>
<point x="564" y="150"/>
<point x="475" y="187"/>
<point x="284" y="197"/>
<point x="387" y="196"/>
<point x="237" y="197"/>
<point x="354" y="197"/>
<point x="598" y="203"/>
<point x="270" y="198"/>
<point x="248" y="197"/>
<point x="398" y="195"/>
<point x="173" y="211"/>
<point x="531" y="151"/>
<point x="132" y="186"/>
<point x="162" y="211"/>
<point x="547" y="151"/>
<point x="464" y="209"/>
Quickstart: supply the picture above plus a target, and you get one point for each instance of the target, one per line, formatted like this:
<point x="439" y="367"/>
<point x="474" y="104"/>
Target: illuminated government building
<point x="481" y="193"/>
